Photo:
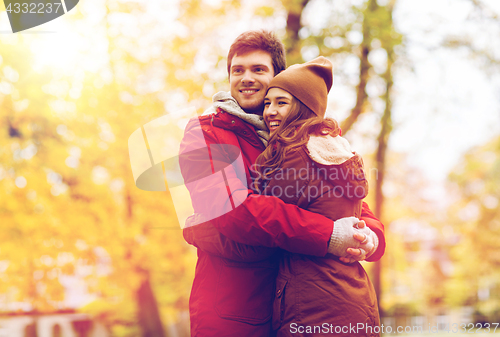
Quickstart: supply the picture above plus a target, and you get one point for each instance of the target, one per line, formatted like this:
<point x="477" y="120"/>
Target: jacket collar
<point x="224" y="101"/>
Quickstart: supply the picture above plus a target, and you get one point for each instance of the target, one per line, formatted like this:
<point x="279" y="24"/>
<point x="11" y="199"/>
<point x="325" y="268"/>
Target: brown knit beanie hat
<point x="309" y="82"/>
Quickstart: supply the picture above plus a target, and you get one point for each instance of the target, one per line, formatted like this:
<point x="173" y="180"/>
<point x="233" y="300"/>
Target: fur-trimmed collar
<point x="328" y="150"/>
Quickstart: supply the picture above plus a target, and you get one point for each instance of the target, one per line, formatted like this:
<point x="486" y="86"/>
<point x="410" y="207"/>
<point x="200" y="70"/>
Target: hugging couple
<point x="287" y="265"/>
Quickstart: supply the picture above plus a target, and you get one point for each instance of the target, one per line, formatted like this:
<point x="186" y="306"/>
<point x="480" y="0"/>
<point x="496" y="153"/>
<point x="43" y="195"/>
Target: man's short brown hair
<point x="259" y="40"/>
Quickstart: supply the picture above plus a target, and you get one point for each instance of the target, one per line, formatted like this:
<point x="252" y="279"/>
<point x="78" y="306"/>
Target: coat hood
<point x="338" y="164"/>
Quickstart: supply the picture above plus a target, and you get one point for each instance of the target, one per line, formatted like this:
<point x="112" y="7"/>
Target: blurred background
<point x="84" y="252"/>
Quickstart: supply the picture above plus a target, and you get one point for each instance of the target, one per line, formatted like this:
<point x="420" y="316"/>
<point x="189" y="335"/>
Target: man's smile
<point x="249" y="91"/>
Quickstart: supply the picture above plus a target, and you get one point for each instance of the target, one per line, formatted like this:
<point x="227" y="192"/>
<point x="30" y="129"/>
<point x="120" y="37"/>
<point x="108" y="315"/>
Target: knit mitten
<point x="343" y="236"/>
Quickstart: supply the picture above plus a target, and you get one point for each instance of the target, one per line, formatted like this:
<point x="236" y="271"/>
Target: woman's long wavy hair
<point x="293" y="132"/>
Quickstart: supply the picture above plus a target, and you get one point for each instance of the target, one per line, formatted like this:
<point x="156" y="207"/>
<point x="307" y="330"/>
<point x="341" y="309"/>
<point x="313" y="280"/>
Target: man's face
<point x="249" y="77"/>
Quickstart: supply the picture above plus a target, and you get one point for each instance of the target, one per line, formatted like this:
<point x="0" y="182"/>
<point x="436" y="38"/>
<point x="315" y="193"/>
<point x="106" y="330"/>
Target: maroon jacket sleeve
<point x="375" y="225"/>
<point x="212" y="173"/>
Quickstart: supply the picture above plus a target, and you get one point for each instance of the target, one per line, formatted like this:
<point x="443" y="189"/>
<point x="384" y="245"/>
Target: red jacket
<point x="234" y="283"/>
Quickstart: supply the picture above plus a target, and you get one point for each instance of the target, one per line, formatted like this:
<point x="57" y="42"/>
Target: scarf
<point x="226" y="102"/>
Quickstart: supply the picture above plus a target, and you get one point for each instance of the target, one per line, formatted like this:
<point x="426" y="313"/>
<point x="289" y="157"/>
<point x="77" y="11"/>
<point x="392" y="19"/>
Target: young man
<point x="233" y="290"/>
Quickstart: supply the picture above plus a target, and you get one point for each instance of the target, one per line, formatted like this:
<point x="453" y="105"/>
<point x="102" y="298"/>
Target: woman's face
<point x="277" y="105"/>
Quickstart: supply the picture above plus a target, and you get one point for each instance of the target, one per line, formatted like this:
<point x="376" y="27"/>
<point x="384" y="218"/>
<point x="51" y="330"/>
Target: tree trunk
<point x="293" y="26"/>
<point x="364" y="69"/>
<point x="149" y="315"/>
<point x="380" y="157"/>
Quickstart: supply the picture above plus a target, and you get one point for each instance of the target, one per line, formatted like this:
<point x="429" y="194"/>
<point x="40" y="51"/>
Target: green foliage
<point x="476" y="214"/>
<point x="265" y="11"/>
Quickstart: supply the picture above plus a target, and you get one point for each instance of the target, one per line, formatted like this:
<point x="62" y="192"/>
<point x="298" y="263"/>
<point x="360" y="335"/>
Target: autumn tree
<point x="477" y="217"/>
<point x="359" y="31"/>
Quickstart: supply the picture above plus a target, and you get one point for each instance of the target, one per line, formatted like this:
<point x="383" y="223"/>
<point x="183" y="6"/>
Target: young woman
<point x="309" y="164"/>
